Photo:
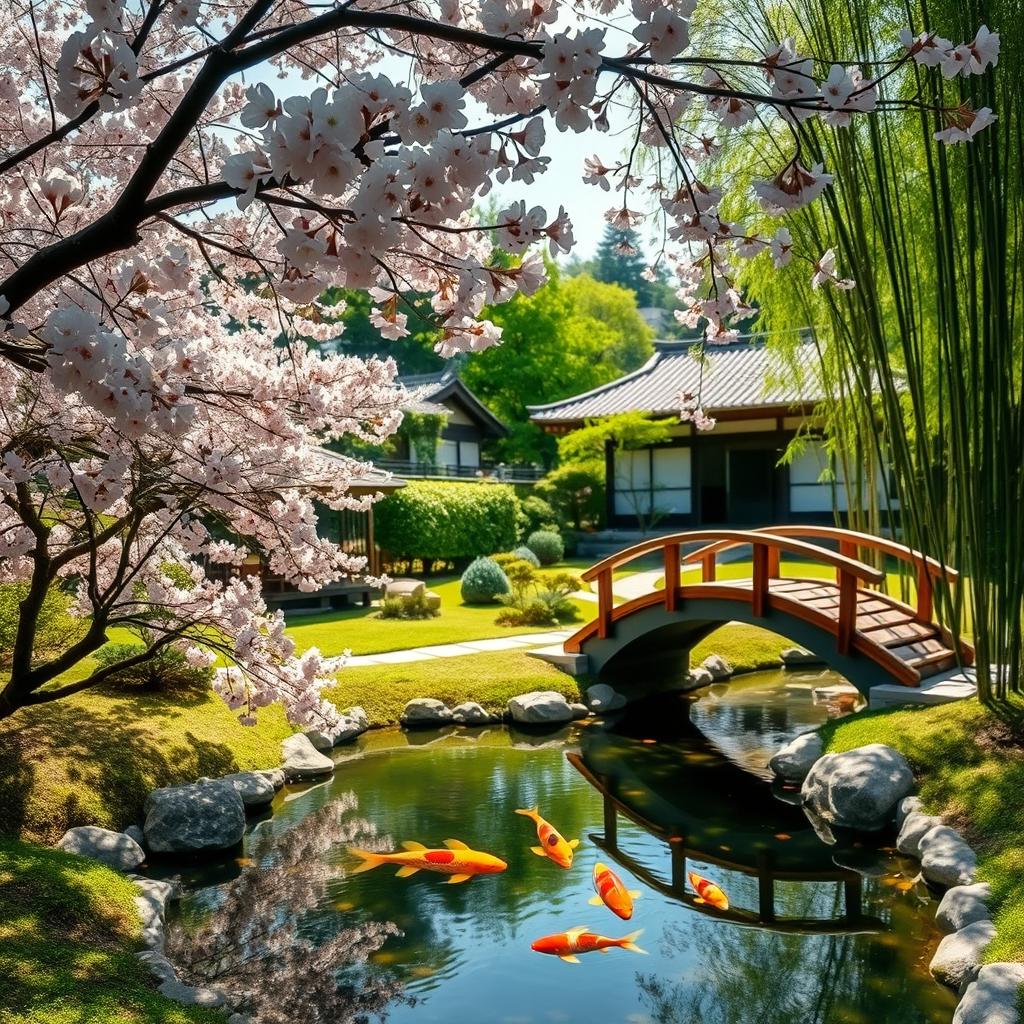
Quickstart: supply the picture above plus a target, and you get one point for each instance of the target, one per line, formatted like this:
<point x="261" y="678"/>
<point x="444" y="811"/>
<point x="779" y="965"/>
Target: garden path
<point x="497" y="643"/>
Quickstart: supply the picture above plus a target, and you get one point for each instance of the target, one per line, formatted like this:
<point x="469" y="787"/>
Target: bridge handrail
<point x="736" y="538"/>
<point x="855" y="539"/>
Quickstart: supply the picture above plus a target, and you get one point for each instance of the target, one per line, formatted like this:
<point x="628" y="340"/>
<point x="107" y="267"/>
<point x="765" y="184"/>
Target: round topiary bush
<point x="524" y="553"/>
<point x="483" y="581"/>
<point x="546" y="545"/>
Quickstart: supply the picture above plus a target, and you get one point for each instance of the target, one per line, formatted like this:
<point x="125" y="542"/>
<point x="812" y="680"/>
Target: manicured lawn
<point x="91" y="758"/>
<point x="746" y="648"/>
<point x="971" y="770"/>
<point x="68" y="932"/>
<point x="359" y="629"/>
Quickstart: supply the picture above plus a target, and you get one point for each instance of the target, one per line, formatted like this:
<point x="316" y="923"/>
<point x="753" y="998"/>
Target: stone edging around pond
<point x="866" y="789"/>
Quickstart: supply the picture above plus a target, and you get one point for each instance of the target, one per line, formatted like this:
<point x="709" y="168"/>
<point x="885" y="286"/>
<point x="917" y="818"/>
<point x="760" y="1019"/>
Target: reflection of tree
<point x="258" y="945"/>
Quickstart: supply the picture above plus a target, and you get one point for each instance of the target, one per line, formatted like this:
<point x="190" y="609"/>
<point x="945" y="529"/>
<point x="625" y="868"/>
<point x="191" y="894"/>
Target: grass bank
<point x="971" y="770"/>
<point x="68" y="934"/>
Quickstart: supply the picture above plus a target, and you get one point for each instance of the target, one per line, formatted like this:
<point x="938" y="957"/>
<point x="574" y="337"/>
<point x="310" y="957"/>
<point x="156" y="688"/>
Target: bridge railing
<point x="767" y="547"/>
<point x="928" y="570"/>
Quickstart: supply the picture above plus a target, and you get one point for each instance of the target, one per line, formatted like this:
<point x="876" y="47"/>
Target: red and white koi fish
<point x="708" y="892"/>
<point x="565" y="945"/>
<point x="612" y="893"/>
<point x="458" y="860"/>
<point x="552" y="845"/>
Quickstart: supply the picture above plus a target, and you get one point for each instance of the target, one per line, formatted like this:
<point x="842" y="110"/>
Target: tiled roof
<point x="743" y="375"/>
<point x="428" y="391"/>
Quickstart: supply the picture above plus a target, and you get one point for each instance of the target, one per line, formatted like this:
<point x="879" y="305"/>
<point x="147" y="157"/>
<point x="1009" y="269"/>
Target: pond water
<point x="680" y="786"/>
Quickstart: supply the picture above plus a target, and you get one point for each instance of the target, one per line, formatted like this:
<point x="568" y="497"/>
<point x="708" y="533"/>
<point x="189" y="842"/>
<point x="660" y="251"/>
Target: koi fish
<point x="708" y="892"/>
<point x="552" y="845"/>
<point x="565" y="945"/>
<point x="612" y="893"/>
<point x="458" y="860"/>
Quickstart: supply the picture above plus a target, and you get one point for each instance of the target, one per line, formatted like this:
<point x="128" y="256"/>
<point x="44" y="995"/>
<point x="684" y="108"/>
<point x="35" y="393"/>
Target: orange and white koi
<point x="552" y="845"/>
<point x="708" y="892"/>
<point x="457" y="860"/>
<point x="565" y="945"/>
<point x="612" y="893"/>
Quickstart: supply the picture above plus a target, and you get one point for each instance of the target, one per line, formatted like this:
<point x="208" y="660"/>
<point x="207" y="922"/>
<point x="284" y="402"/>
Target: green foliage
<point x="164" y="671"/>
<point x="547" y="546"/>
<point x="451" y="521"/>
<point x="411" y="606"/>
<point x="536" y="599"/>
<point x="537" y="513"/>
<point x="576" y="492"/>
<point x="524" y="554"/>
<point x="56" y="631"/>
<point x="422" y="432"/>
<point x="571" y="335"/>
<point x="483" y="582"/>
<point x="627" y="430"/>
<point x="620" y="260"/>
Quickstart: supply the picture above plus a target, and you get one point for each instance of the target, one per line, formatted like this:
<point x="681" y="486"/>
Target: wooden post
<point x="611" y="823"/>
<point x="774" y="558"/>
<point x="677" y="852"/>
<point x="708" y="568"/>
<point x="604" y="604"/>
<point x="852" y="895"/>
<point x="671" y="576"/>
<point x="759" y="595"/>
<point x="765" y="888"/>
<point x="925" y="597"/>
<point x="847" y="611"/>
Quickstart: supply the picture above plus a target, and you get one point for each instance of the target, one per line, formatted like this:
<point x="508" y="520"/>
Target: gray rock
<point x="159" y="966"/>
<point x="914" y="827"/>
<point x="470" y="713"/>
<point x="255" y="789"/>
<point x="603" y="697"/>
<point x="963" y="905"/>
<point x="858" y="789"/>
<point x="717" y="666"/>
<point x="425" y="711"/>
<point x="992" y="998"/>
<point x="958" y="958"/>
<point x="405" y="588"/>
<point x="946" y="859"/>
<point x="799" y="657"/>
<point x="359" y="716"/>
<point x="697" y="678"/>
<point x="136" y="833"/>
<point x="579" y="710"/>
<point x="793" y="761"/>
<point x="320" y="741"/>
<point x="349" y="727"/>
<point x="151" y="904"/>
<point x="239" y="1018"/>
<point x="188" y="995"/>
<point x="115" y="849"/>
<point x="302" y="761"/>
<point x="908" y="805"/>
<point x="275" y="776"/>
<point x="197" y="817"/>
<point x="541" y="707"/>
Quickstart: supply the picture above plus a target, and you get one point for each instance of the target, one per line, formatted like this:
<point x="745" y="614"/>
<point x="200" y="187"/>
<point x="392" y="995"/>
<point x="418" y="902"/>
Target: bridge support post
<point x="852" y="889"/>
<point x="611" y="823"/>
<point x="765" y="887"/>
<point x="677" y="852"/>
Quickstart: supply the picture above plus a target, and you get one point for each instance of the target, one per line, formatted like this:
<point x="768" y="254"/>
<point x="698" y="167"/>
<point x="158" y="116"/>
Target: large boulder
<point x="199" y="817"/>
<point x="601" y="698"/>
<point x="793" y="761"/>
<point x="425" y="711"/>
<point x="541" y="707"/>
<point x="993" y="997"/>
<point x="946" y="859"/>
<point x="115" y="849"/>
<point x="301" y="761"/>
<point x="471" y="713"/>
<point x="255" y="789"/>
<point x="913" y="830"/>
<point x="717" y="666"/>
<point x="963" y="905"/>
<point x="858" y="789"/>
<point x="958" y="958"/>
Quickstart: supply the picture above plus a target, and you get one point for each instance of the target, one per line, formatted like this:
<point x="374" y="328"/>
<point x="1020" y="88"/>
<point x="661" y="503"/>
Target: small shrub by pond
<point x="168" y="670"/>
<point x="409" y="606"/>
<point x="535" y="599"/>
<point x="483" y="582"/>
<point x="547" y="546"/>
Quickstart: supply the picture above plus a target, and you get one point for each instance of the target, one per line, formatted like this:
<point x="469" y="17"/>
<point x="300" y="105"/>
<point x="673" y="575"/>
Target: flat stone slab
<point x="115" y="849"/>
<point x="571" y="664"/>
<point x="943" y="688"/>
<point x="445" y="650"/>
<point x="496" y="643"/>
<point x="398" y="657"/>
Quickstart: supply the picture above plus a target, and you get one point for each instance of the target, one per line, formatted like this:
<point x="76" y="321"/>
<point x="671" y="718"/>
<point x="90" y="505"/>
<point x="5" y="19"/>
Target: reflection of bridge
<point x="865" y="634"/>
<point x="805" y="862"/>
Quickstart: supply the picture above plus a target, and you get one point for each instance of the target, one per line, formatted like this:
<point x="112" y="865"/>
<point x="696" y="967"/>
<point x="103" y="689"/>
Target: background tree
<point x="619" y="259"/>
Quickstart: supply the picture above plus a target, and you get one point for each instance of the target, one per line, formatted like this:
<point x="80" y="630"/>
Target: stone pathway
<point x="497" y="643"/>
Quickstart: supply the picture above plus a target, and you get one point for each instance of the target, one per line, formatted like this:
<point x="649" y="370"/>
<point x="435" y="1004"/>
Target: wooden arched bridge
<point x="850" y="622"/>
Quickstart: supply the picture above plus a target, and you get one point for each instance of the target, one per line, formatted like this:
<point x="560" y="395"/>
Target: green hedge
<point x="437" y="520"/>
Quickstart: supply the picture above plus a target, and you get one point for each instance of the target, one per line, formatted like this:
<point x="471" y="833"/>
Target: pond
<point x="679" y="787"/>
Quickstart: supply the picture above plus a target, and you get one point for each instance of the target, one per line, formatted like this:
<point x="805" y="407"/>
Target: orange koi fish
<point x="458" y="860"/>
<point x="612" y="893"/>
<point x="708" y="892"/>
<point x="552" y="845"/>
<point x="565" y="945"/>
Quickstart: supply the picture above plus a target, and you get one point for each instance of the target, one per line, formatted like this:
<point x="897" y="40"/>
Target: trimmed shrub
<point x="430" y="519"/>
<point x="412" y="606"/>
<point x="526" y="555"/>
<point x="546" y="545"/>
<point x="167" y="670"/>
<point x="537" y="515"/>
<point x="483" y="582"/>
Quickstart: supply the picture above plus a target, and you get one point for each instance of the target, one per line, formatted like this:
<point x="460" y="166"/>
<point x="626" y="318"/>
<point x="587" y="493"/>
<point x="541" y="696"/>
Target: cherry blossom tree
<point x="169" y="221"/>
